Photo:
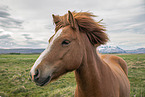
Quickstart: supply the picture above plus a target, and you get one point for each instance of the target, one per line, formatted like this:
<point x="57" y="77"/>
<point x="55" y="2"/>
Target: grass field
<point x="15" y="80"/>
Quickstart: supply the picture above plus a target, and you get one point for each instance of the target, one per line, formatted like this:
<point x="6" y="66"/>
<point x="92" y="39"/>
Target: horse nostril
<point x="36" y="76"/>
<point x="36" y="73"/>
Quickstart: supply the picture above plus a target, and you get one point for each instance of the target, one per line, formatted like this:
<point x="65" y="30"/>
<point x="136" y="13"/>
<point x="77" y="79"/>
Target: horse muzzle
<point x="38" y="79"/>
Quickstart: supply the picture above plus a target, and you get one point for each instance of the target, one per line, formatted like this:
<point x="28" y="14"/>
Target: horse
<point x="73" y="48"/>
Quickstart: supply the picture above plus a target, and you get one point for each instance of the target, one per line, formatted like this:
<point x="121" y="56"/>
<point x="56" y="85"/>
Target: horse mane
<point x="94" y="31"/>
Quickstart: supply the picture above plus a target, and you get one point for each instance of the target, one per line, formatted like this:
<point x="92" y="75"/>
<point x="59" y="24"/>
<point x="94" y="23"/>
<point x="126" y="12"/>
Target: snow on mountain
<point x="110" y="49"/>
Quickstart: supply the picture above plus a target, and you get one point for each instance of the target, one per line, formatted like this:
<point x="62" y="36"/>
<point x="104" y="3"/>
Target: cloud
<point x="4" y="14"/>
<point x="30" y="43"/>
<point x="123" y="18"/>
<point x="5" y="36"/>
<point x="36" y="43"/>
<point x="27" y="36"/>
<point x="128" y="40"/>
<point x="6" y="39"/>
<point x="9" y="40"/>
<point x="6" y="21"/>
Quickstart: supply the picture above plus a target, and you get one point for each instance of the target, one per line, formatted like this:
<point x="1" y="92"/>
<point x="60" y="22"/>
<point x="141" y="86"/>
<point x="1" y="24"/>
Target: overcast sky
<point x="28" y="23"/>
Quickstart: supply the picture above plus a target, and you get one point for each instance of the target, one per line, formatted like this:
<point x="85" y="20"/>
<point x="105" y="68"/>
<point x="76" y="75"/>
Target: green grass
<point x="136" y="73"/>
<point x="15" y="80"/>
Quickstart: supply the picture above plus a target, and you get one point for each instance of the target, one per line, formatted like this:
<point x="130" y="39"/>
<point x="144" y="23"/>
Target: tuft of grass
<point x="19" y="90"/>
<point x="15" y="80"/>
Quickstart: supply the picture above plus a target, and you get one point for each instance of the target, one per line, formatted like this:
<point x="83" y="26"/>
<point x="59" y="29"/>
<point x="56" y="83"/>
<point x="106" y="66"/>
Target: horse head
<point x="66" y="47"/>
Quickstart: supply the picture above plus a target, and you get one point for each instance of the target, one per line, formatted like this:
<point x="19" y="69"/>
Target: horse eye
<point x="65" y="42"/>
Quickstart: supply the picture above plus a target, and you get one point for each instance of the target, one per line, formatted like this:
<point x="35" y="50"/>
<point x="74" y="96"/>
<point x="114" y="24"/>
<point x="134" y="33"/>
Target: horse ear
<point x="56" y="19"/>
<point x="71" y="20"/>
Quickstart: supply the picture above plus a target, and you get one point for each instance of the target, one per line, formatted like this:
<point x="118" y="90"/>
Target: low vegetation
<point x="15" y="80"/>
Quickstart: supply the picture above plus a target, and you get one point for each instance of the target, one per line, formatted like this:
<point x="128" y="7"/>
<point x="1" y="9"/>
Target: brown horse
<point x="73" y="47"/>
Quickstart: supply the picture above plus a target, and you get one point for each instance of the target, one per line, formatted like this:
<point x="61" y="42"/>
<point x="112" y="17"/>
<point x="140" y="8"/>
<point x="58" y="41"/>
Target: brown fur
<point x="96" y="75"/>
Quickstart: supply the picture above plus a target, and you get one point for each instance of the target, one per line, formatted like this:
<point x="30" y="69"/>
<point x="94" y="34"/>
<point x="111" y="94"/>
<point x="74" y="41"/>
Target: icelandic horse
<point x="73" y="48"/>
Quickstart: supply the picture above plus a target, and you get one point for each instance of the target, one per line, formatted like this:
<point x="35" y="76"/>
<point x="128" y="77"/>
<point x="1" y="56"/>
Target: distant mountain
<point x="137" y="51"/>
<point x="22" y="51"/>
<point x="102" y="49"/>
<point x="110" y="49"/>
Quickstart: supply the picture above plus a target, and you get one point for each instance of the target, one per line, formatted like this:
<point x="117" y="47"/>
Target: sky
<point x="29" y="24"/>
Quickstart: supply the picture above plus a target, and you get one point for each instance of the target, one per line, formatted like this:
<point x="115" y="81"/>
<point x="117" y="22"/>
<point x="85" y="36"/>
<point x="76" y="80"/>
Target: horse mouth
<point x="44" y="82"/>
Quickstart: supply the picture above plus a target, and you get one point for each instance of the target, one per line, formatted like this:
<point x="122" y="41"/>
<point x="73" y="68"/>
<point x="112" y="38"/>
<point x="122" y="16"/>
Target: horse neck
<point x="88" y="75"/>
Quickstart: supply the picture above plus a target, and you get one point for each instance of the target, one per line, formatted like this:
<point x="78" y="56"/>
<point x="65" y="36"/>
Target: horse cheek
<point x="74" y="61"/>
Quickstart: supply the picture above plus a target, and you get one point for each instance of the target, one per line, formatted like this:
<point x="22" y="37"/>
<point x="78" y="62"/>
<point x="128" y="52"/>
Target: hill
<point x="22" y="51"/>
<point x="137" y="51"/>
<point x="102" y="49"/>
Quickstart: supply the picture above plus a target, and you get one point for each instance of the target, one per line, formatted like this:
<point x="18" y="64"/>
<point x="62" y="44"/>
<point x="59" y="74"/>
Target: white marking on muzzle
<point x="46" y="51"/>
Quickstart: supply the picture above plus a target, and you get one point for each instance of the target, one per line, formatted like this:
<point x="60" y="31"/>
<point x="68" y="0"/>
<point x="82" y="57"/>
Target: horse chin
<point x="45" y="81"/>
